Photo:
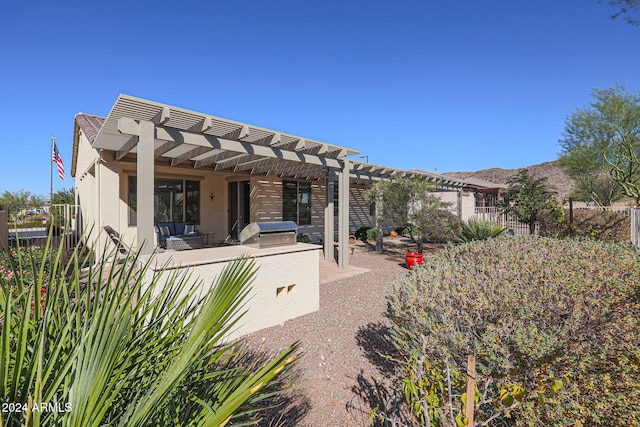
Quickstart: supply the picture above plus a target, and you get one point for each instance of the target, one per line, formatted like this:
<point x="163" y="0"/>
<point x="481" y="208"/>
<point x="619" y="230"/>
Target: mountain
<point x="556" y="178"/>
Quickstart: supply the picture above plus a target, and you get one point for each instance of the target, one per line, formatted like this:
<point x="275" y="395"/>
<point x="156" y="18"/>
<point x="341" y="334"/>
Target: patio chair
<point x="121" y="247"/>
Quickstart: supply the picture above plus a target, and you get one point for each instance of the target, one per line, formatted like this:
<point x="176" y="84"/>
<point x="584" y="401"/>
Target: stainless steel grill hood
<point x="269" y="234"/>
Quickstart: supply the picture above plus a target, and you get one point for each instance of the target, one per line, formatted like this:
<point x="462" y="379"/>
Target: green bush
<point x="108" y="346"/>
<point x="533" y="310"/>
<point x="365" y="234"/>
<point x="371" y="234"/>
<point x="440" y="226"/>
<point x="478" y="229"/>
<point x="303" y="238"/>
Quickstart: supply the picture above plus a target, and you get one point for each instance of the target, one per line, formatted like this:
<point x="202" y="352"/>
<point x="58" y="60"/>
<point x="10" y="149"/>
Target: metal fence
<point x="620" y="210"/>
<point x="494" y="215"/>
<point x="28" y="226"/>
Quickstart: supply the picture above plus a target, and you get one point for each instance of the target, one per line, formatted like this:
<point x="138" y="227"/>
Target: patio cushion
<point x="179" y="228"/>
<point x="164" y="231"/>
<point x="169" y="225"/>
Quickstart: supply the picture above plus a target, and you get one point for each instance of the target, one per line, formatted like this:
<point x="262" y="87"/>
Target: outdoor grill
<point x="269" y="234"/>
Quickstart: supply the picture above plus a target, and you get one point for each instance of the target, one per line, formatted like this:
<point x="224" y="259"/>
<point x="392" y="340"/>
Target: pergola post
<point x="145" y="171"/>
<point x="343" y="216"/>
<point x="459" y="204"/>
<point x="329" y="216"/>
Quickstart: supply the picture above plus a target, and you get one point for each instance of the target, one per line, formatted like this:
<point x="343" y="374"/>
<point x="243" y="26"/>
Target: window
<point x="296" y="202"/>
<point x="174" y="200"/>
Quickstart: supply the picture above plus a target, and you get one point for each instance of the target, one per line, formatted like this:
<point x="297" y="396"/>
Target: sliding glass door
<point x="239" y="206"/>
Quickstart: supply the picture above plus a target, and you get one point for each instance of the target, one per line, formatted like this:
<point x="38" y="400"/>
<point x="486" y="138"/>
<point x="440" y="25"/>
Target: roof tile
<point x="90" y="124"/>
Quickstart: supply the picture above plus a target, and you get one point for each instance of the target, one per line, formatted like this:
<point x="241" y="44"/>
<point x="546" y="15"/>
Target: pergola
<point x="160" y="134"/>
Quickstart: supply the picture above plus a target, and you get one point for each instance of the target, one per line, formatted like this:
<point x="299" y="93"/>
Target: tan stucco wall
<point x="468" y="202"/>
<point x="87" y="192"/>
<point x="286" y="284"/>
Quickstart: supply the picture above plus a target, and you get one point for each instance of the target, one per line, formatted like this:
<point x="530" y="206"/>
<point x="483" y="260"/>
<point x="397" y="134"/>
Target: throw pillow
<point x="189" y="229"/>
<point x="164" y="231"/>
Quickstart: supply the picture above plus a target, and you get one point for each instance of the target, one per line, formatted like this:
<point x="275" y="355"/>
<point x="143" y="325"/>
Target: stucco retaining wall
<point x="286" y="284"/>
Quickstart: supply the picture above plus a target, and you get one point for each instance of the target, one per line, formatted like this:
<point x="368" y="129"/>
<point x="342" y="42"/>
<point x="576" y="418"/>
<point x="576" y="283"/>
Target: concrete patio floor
<point x="329" y="271"/>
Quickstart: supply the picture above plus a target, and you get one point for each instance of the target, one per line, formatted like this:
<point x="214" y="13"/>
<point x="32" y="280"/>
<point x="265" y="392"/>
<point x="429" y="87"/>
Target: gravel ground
<point x="341" y="373"/>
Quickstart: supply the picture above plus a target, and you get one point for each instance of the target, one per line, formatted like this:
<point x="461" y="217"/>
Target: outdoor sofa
<point x="178" y="236"/>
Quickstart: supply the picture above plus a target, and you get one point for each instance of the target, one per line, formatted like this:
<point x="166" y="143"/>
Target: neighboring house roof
<point x="482" y="184"/>
<point x="90" y="125"/>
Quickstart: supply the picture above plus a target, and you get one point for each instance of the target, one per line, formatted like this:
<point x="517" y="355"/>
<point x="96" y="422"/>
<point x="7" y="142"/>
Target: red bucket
<point x="413" y="258"/>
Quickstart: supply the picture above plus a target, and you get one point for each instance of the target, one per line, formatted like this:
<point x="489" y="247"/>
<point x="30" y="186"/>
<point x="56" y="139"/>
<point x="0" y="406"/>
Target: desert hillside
<point x="556" y="178"/>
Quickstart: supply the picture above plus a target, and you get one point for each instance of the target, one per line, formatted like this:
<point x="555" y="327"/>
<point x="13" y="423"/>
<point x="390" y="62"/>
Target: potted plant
<point x="413" y="258"/>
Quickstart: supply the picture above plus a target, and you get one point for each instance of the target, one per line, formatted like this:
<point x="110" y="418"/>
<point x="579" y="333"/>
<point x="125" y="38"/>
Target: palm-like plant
<point x="478" y="229"/>
<point x="103" y="346"/>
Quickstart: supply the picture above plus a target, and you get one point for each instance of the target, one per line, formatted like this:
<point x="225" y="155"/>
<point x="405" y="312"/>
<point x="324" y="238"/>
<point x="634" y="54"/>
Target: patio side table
<point x="208" y="237"/>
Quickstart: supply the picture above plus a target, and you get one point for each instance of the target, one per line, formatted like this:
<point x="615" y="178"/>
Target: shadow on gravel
<point x="286" y="402"/>
<point x="286" y="410"/>
<point x="378" y="349"/>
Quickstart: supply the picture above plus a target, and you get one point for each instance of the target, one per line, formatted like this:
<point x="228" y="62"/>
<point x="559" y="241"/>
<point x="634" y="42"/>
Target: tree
<point x="528" y="198"/>
<point x="410" y="203"/>
<point x="593" y="179"/>
<point x="64" y="197"/>
<point x="13" y="202"/>
<point x="626" y="8"/>
<point x="605" y="138"/>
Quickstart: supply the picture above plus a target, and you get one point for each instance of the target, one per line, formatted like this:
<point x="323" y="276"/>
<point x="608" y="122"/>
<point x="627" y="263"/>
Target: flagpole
<point x="53" y="138"/>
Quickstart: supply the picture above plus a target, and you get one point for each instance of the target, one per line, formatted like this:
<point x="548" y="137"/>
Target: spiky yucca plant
<point x="478" y="229"/>
<point x="98" y="346"/>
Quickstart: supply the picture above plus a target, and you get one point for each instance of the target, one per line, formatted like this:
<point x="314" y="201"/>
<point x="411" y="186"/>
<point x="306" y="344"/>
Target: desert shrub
<point x="303" y="238"/>
<point x="365" y="234"/>
<point x="371" y="234"/>
<point x="533" y="310"/>
<point x="478" y="229"/>
<point x="440" y="226"/>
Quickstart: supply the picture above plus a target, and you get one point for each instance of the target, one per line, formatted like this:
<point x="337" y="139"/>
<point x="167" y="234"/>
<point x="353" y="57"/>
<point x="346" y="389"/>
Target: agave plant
<point x="478" y="229"/>
<point x="98" y="345"/>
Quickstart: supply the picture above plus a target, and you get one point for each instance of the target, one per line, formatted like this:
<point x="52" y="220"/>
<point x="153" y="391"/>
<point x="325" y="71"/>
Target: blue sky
<point x="428" y="84"/>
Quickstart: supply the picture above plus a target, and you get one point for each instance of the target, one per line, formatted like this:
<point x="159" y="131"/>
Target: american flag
<point x="58" y="160"/>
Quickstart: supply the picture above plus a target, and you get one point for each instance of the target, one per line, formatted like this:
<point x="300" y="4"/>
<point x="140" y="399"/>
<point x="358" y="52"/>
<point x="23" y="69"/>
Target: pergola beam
<point x="220" y="163"/>
<point x="275" y="139"/>
<point x="244" y="132"/>
<point x="213" y="157"/>
<point x="202" y="126"/>
<point x="194" y="152"/>
<point x="164" y="147"/>
<point x="162" y="117"/>
<point x="127" y="147"/>
<point x="128" y="126"/>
